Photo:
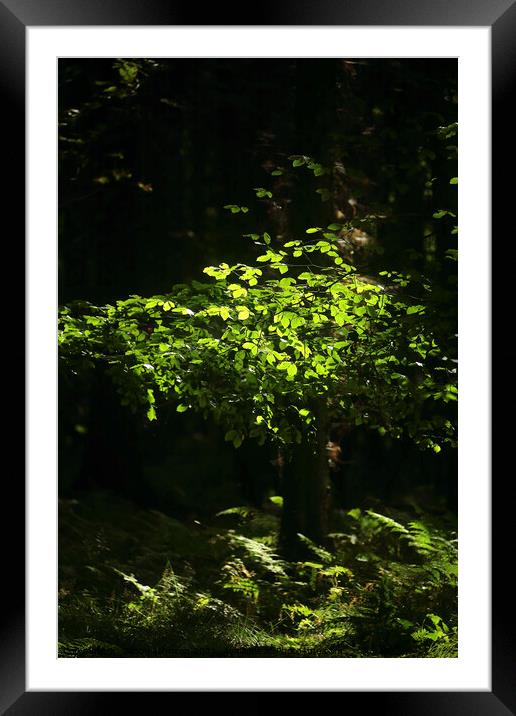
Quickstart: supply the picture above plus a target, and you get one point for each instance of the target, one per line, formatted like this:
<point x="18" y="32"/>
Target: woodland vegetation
<point x="258" y="358"/>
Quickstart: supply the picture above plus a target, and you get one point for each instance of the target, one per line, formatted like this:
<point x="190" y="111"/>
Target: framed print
<point x="164" y="128"/>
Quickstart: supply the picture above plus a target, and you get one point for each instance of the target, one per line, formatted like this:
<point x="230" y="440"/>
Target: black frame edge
<point x="12" y="617"/>
<point x="503" y="34"/>
<point x="267" y="12"/>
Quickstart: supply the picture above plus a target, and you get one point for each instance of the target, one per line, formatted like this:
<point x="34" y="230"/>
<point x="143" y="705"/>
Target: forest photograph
<point x="257" y="358"/>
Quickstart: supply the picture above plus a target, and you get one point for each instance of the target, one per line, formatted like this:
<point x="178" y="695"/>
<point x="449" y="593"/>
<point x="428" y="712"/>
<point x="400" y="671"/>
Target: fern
<point x="420" y="539"/>
<point x="388" y="588"/>
<point x="437" y="630"/>
<point x="80" y="648"/>
<point x="388" y="523"/>
<point x="243" y="512"/>
<point x="260" y="554"/>
<point x="323" y="554"/>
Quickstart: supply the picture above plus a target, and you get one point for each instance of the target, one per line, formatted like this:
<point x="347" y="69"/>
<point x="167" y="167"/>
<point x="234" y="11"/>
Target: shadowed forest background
<point x="168" y="533"/>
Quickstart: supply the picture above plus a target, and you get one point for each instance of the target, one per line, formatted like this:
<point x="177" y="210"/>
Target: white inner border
<point x="471" y="671"/>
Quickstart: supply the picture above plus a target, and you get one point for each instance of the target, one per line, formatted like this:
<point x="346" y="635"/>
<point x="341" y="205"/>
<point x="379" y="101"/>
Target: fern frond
<point x="388" y="523"/>
<point x="420" y="539"/>
<point x="323" y="554"/>
<point x="260" y="554"/>
<point x="242" y="511"/>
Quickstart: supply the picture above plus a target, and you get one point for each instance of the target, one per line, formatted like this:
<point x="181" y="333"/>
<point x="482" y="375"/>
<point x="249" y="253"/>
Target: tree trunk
<point x="306" y="475"/>
<point x="306" y="491"/>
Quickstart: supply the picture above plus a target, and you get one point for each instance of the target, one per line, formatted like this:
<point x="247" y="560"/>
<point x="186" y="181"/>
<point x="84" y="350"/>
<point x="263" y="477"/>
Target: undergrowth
<point x="138" y="583"/>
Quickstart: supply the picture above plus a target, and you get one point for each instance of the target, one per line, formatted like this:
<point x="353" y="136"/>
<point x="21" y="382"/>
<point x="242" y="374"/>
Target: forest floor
<point x="135" y="582"/>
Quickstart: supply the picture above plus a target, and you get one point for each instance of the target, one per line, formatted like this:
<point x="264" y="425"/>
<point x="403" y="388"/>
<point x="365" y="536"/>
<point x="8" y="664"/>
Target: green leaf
<point x="415" y="309"/>
<point x="441" y="213"/>
<point x="291" y="370"/>
<point x="263" y="193"/>
<point x="286" y="282"/>
<point x="320" y="332"/>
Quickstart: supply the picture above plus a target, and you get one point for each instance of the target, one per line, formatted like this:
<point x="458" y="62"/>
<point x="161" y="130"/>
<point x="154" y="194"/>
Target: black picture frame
<point x="500" y="16"/>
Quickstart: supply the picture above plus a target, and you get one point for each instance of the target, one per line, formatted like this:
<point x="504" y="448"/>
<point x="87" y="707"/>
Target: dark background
<point x="151" y="151"/>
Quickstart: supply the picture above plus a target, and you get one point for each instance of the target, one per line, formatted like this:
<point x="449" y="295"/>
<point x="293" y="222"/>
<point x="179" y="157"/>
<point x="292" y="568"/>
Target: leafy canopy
<point x="261" y="345"/>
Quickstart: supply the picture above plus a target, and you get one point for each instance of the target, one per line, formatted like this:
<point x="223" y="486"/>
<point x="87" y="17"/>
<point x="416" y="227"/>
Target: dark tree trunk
<point x="306" y="492"/>
<point x="306" y="474"/>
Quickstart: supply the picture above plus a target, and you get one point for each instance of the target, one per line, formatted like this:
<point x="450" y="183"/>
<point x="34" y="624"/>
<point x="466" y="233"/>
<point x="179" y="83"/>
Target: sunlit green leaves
<point x="262" y="193"/>
<point x="253" y="345"/>
<point x="236" y="209"/>
<point x="237" y="290"/>
<point x="292" y="370"/>
<point x="415" y="309"/>
<point x="243" y="313"/>
<point x="218" y="272"/>
<point x="298" y="160"/>
<point x="442" y="213"/>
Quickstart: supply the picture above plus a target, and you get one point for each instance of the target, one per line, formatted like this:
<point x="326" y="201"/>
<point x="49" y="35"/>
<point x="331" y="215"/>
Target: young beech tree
<point x="275" y="351"/>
